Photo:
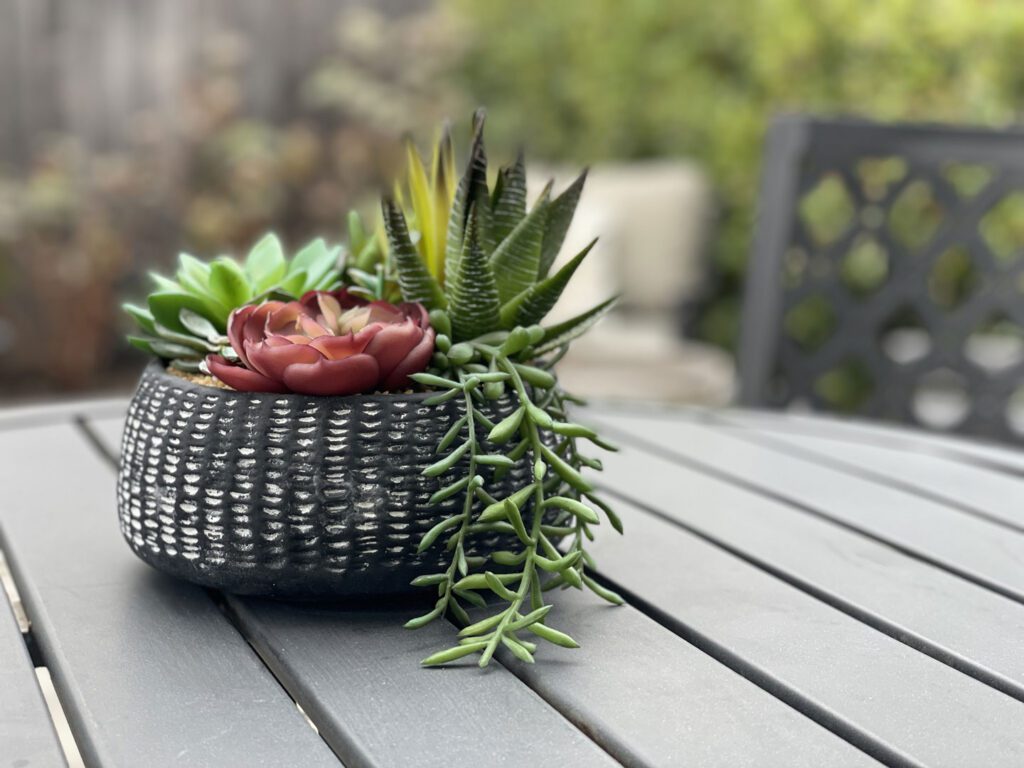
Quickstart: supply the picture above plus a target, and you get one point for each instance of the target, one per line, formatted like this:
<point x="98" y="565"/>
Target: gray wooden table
<point x="803" y="592"/>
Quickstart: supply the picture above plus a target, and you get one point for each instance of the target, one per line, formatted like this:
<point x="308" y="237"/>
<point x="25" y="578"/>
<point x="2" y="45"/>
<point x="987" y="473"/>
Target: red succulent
<point x="327" y="343"/>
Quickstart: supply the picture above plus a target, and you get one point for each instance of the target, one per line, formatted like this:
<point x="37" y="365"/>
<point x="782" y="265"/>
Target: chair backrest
<point x="887" y="275"/>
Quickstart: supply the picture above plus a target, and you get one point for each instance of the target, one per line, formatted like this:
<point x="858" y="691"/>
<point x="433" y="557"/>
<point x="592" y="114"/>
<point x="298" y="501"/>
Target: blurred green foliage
<point x="585" y="80"/>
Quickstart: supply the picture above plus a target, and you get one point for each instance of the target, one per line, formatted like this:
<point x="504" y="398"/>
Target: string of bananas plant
<point x="484" y="266"/>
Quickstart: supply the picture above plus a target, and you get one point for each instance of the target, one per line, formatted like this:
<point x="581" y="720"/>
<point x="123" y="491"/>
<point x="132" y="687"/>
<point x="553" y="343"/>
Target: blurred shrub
<point x="592" y="79"/>
<point x="79" y="228"/>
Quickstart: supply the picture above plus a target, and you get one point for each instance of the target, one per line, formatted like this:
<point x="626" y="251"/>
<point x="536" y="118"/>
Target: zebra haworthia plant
<point x="488" y="278"/>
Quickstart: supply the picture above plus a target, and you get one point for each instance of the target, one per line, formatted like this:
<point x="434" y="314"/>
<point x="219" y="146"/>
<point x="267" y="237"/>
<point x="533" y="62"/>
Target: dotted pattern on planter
<point x="287" y="495"/>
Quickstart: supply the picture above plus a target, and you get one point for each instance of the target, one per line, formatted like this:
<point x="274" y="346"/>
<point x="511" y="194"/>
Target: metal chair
<point x="887" y="277"/>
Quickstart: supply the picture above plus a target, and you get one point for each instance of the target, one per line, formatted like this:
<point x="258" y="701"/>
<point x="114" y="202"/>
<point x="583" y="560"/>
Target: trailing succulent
<point x="488" y="281"/>
<point x="185" y="318"/>
<point x="447" y="294"/>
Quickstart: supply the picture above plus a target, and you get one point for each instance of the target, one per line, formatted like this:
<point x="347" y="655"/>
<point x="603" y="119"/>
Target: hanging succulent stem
<point x="537" y="516"/>
<point x="484" y="264"/>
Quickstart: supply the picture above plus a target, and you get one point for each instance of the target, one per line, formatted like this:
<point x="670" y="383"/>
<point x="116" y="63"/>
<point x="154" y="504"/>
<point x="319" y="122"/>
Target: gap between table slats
<point x="969" y="547"/>
<point x="100" y="617"/>
<point x="901" y="596"/>
<point x="972" y="489"/>
<point x="899" y="705"/>
<point x="27" y="733"/>
<point x="1006" y="459"/>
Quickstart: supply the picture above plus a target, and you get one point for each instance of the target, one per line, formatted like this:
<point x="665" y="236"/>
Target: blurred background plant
<point x="593" y="79"/>
<point x="135" y="129"/>
<point x="155" y="127"/>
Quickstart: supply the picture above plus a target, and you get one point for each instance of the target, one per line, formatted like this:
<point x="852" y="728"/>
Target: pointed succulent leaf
<point x="415" y="281"/>
<point x="508" y="205"/>
<point x="294" y="283"/>
<point x="471" y="192"/>
<point x="187" y="339"/>
<point x="443" y="183"/>
<point x="142" y="316"/>
<point x="265" y="265"/>
<point x="170" y="350"/>
<point x="229" y="283"/>
<point x="422" y="202"/>
<point x="516" y="260"/>
<point x="164" y="283"/>
<point x="193" y="275"/>
<point x="199" y="325"/>
<point x="561" y="334"/>
<point x="534" y="303"/>
<point x="166" y="307"/>
<point x="474" y="304"/>
<point x="559" y="218"/>
<point x="142" y="343"/>
<point x="317" y="260"/>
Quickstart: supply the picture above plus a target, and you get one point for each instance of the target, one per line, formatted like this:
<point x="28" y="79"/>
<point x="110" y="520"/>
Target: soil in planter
<point x="197" y="378"/>
<point x="209" y="381"/>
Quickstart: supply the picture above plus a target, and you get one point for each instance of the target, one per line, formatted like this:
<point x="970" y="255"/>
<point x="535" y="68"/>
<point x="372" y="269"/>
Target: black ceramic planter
<point x="285" y="495"/>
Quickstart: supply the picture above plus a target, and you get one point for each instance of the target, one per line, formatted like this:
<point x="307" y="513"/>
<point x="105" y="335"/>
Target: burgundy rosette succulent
<point x="327" y="343"/>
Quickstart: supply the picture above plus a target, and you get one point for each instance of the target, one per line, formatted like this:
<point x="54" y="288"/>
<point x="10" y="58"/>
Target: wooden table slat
<point x="903" y="596"/>
<point x="984" y="492"/>
<point x="357" y="675"/>
<point x="27" y="736"/>
<point x="974" y="548"/>
<point x="591" y="687"/>
<point x="149" y="671"/>
<point x="900" y="705"/>
<point x="1003" y="458"/>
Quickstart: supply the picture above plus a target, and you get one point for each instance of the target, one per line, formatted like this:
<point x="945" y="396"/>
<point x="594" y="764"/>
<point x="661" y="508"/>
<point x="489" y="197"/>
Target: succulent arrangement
<point x="447" y="296"/>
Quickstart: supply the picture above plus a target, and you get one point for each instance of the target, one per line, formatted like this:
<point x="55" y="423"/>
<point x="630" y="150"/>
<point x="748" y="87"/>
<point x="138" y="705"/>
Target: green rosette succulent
<point x="185" y="318"/>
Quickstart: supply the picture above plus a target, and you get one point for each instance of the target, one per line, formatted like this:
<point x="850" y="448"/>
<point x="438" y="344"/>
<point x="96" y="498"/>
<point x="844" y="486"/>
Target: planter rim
<point x="187" y="385"/>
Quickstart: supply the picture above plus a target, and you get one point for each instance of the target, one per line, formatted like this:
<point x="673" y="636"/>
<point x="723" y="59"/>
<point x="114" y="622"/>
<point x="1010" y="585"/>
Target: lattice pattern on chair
<point x="888" y="275"/>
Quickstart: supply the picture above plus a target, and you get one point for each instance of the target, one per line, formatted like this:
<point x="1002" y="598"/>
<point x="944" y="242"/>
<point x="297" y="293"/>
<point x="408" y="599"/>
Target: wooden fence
<point x="83" y="67"/>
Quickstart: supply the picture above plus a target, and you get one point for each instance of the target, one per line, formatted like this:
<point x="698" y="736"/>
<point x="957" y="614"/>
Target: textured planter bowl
<point x="285" y="495"/>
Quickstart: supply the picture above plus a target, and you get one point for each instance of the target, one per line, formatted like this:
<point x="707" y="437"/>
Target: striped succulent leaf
<point x="560" y="216"/>
<point x="563" y="333"/>
<point x="414" y="277"/>
<point x="535" y="302"/>
<point x="516" y="260"/>
<point x="471" y="192"/>
<point x="474" y="304"/>
<point x="508" y="203"/>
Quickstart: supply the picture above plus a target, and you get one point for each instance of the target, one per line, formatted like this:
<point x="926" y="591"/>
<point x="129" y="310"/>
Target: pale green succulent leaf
<point x="187" y="339"/>
<point x="190" y="267"/>
<point x="229" y="283"/>
<point x="316" y="260"/>
<point x="199" y="326"/>
<point x="166" y="307"/>
<point x="266" y="265"/>
<point x="142" y="316"/>
<point x="165" y="283"/>
<point x="294" y="283"/>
